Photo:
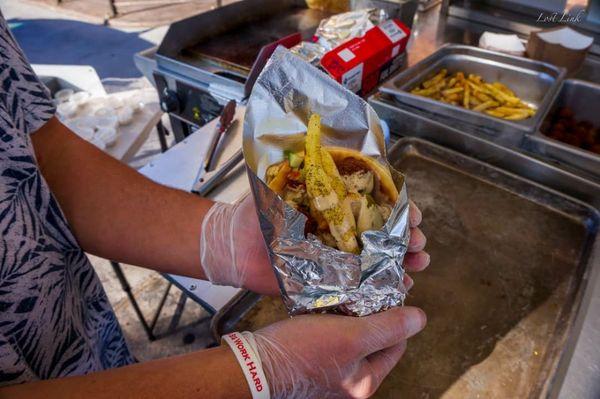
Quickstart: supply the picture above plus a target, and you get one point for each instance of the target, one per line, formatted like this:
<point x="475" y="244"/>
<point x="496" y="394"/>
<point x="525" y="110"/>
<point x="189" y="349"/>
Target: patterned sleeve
<point x="24" y="98"/>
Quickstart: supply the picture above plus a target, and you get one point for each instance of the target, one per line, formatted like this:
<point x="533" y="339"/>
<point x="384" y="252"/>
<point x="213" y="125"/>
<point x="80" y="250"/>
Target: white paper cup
<point x="125" y="115"/>
<point x="116" y="102"/>
<point x="82" y="122"/>
<point x="67" y="109"/>
<point x="135" y="103"/>
<point x="108" y="135"/>
<point x="86" y="133"/>
<point x="106" y="121"/>
<point x="63" y="95"/>
<point x="80" y="98"/>
<point x="104" y="112"/>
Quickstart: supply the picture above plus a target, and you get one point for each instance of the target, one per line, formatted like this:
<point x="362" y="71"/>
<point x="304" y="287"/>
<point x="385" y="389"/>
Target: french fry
<point x="334" y="175"/>
<point x="485" y="105"/>
<point x="437" y="78"/>
<point x="494" y="113"/>
<point x="425" y="92"/>
<point x="323" y="196"/>
<point x="454" y="97"/>
<point x="474" y="78"/>
<point x="475" y="87"/>
<point x="508" y="110"/>
<point x="448" y="92"/>
<point x="280" y="179"/>
<point x="466" y="97"/>
<point x="504" y="89"/>
<point x="517" y="116"/>
<point x="481" y="96"/>
<point x="503" y="97"/>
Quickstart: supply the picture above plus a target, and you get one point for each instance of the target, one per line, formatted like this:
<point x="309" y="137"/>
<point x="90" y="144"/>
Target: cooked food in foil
<point x="472" y="92"/>
<point x="338" y="29"/>
<point x="341" y="191"/>
<point x="309" y="52"/>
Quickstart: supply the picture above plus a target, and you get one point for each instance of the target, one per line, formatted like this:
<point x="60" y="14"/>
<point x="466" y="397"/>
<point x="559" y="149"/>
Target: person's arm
<point x="213" y="373"/>
<point x="114" y="211"/>
<point x="308" y="356"/>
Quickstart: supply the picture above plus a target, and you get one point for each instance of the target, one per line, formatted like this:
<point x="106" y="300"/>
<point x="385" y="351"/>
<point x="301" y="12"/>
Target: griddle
<point x="505" y="283"/>
<point x="227" y="41"/>
<point x="238" y="48"/>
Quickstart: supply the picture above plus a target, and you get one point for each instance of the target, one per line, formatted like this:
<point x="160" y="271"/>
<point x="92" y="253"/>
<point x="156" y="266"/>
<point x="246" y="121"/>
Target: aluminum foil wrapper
<point x="340" y="28"/>
<point x="312" y="276"/>
<point x="309" y="52"/>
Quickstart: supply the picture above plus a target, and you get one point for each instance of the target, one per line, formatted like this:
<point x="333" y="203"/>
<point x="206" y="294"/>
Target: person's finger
<point x="416" y="261"/>
<point x="408" y="282"/>
<point x="388" y="328"/>
<point x="414" y="215"/>
<point x="417" y="240"/>
<point x="383" y="362"/>
<point x="372" y="370"/>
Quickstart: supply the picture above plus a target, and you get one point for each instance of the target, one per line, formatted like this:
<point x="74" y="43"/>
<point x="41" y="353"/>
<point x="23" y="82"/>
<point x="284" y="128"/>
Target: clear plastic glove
<point x="332" y="356"/>
<point x="233" y="251"/>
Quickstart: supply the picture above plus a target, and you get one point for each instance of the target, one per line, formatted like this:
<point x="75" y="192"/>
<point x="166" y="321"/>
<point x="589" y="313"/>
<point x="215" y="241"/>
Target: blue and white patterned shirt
<point x="55" y="319"/>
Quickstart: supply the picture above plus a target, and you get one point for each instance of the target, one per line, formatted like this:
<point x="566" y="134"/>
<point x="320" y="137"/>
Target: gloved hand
<point x="332" y="356"/>
<point x="233" y="251"/>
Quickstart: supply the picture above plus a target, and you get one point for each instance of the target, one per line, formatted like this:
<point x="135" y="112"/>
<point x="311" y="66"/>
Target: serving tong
<point x="208" y="177"/>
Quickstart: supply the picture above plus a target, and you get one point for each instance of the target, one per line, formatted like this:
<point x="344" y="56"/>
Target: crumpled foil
<point x="312" y="276"/>
<point x="309" y="52"/>
<point x="340" y="28"/>
<point x="337" y="30"/>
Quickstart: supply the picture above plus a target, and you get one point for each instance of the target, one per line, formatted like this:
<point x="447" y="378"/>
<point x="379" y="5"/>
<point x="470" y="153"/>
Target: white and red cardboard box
<point x="361" y="63"/>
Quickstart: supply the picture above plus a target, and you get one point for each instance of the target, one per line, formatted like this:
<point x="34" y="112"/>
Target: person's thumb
<point x="389" y="328"/>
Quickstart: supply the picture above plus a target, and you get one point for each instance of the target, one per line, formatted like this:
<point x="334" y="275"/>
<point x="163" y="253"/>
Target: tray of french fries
<point x="480" y="87"/>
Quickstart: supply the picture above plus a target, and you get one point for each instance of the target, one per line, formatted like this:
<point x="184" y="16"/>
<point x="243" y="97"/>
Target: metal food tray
<point x="454" y="136"/>
<point x="583" y="98"/>
<point x="536" y="83"/>
<point x="509" y="265"/>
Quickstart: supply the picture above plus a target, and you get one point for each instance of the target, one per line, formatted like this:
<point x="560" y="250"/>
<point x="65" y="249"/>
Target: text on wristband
<point x="249" y="362"/>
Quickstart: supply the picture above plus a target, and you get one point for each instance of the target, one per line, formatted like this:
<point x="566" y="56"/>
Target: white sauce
<point x="322" y="203"/>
